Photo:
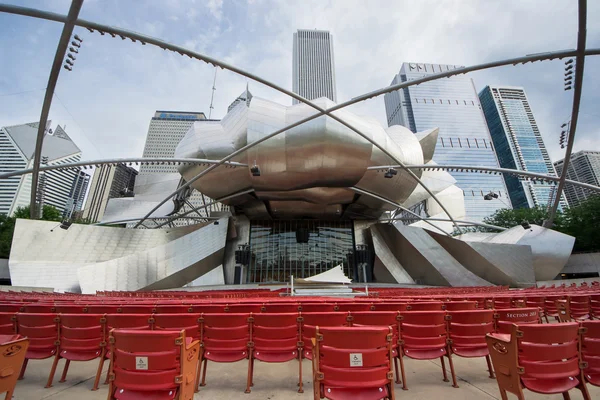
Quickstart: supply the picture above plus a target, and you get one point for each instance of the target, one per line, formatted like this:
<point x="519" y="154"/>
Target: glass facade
<point x="452" y="105"/>
<point x="518" y="144"/>
<point x="301" y="248"/>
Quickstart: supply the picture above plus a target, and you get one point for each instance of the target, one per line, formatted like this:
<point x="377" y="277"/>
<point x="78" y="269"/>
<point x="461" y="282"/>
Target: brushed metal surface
<point x="309" y="166"/>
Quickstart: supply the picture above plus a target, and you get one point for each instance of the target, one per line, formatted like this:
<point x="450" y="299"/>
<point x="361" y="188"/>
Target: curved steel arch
<point x="143" y="39"/>
<point x="462" y="222"/>
<point x="577" y="90"/>
<point x="116" y="161"/>
<point x="470" y="168"/>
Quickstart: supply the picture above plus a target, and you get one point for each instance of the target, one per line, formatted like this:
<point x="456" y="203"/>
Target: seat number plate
<point x="356" y="360"/>
<point x="141" y="363"/>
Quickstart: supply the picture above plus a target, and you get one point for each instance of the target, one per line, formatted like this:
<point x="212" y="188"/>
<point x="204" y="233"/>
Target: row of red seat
<point x="275" y="337"/>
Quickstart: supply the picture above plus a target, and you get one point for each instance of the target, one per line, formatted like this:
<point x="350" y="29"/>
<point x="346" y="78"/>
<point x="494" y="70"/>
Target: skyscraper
<point x="313" y="70"/>
<point x="166" y="130"/>
<point x="518" y="144"/>
<point x="451" y="105"/>
<point x="77" y="194"/>
<point x="17" y="146"/>
<point x="109" y="182"/>
<point x="584" y="166"/>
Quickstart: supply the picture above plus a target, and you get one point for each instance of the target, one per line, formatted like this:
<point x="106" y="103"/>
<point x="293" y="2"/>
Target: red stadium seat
<point x="177" y="322"/>
<point x="224" y="339"/>
<point x="506" y="317"/>
<point x="460" y="305"/>
<point x="82" y="338"/>
<point x="540" y="357"/>
<point x="550" y="309"/>
<point x="390" y="306"/>
<point x="208" y="308"/>
<point x="423" y="337"/>
<point x="317" y="307"/>
<point x="280" y="307"/>
<point x="7" y="323"/>
<point x="11" y="307"/>
<point x="39" y="308"/>
<point x="353" y="363"/>
<point x="70" y="309"/>
<point x="120" y="321"/>
<point x="156" y="365"/>
<point x="12" y="355"/>
<point x="243" y="308"/>
<point x="42" y="331"/>
<point x="137" y="308"/>
<point x="309" y="321"/>
<point x="381" y="318"/>
<point x="275" y="339"/>
<point x="101" y="308"/>
<point x="590" y="351"/>
<point x="173" y="308"/>
<point x="354" y="307"/>
<point x="426" y="306"/>
<point x="467" y="331"/>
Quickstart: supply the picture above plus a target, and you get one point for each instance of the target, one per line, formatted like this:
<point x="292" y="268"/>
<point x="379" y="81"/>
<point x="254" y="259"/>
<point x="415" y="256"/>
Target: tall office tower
<point x="109" y="182"/>
<point x="584" y="166"/>
<point x="452" y="106"/>
<point x="518" y="144"/>
<point x="77" y="194"/>
<point x="166" y="130"/>
<point x="17" y="146"/>
<point x="313" y="65"/>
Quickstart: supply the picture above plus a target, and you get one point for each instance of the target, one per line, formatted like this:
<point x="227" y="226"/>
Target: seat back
<point x="353" y="362"/>
<point x="173" y="308"/>
<point x="423" y="334"/>
<point x="243" y="308"/>
<point x="10" y="307"/>
<point x="390" y="306"/>
<point x="309" y="322"/>
<point x="354" y="306"/>
<point x="460" y="305"/>
<point x="42" y="331"/>
<point x="177" y="322"/>
<point x="548" y="351"/>
<point x="590" y="349"/>
<point x="36" y="308"/>
<point x="13" y="349"/>
<point x="426" y="306"/>
<point x="506" y="317"/>
<point x="205" y="308"/>
<point x="101" y="308"/>
<point x="7" y="323"/>
<point x="151" y="363"/>
<point x="82" y="336"/>
<point x="579" y="307"/>
<point x="317" y="307"/>
<point x="467" y="330"/>
<point x="275" y="337"/>
<point x="224" y="337"/>
<point x="137" y="308"/>
<point x="70" y="309"/>
<point x="280" y="307"/>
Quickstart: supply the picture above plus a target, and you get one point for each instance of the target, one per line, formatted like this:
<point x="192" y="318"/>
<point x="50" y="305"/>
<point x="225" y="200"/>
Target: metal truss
<point x="580" y="53"/>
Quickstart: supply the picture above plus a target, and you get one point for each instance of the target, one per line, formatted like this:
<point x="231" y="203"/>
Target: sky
<point x="108" y="99"/>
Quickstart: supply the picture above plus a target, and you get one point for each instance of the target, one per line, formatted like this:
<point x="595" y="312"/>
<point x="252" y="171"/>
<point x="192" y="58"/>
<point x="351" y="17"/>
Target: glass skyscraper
<point x="452" y="105"/>
<point x="518" y="144"/>
<point x="584" y="166"/>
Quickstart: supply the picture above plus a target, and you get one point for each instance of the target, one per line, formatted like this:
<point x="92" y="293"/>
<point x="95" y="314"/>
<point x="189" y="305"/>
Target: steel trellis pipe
<point x="578" y="88"/>
<point x="61" y="50"/>
<point x="182" y="51"/>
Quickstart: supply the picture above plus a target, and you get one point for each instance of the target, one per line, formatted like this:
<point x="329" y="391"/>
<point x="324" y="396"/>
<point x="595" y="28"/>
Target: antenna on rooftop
<point x="212" y="96"/>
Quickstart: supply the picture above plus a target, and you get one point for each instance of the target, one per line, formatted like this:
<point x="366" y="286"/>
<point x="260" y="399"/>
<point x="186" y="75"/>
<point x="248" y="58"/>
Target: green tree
<point x="583" y="222"/>
<point x="508" y="218"/>
<point x="49" y="213"/>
